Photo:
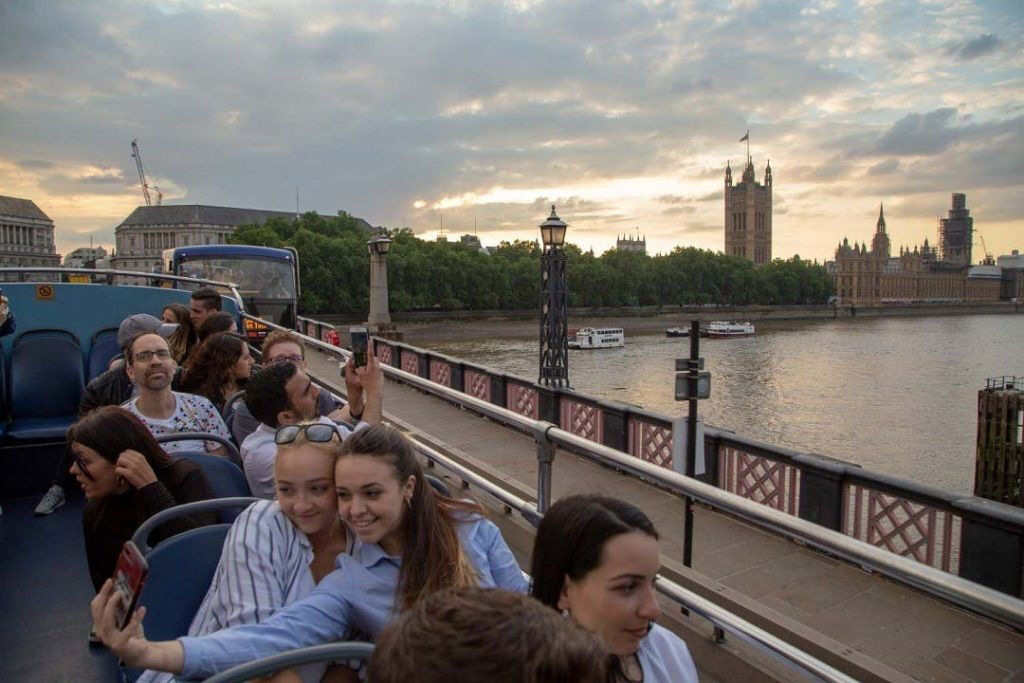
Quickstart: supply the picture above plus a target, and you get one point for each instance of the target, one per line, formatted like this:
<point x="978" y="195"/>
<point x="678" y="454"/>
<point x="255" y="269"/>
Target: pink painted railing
<point x="440" y="372"/>
<point x="384" y="353"/>
<point x="582" y="419"/>
<point x="523" y="399"/>
<point x="915" y="530"/>
<point x="411" y="363"/>
<point x="477" y="384"/>
<point x="770" y="482"/>
<point x="650" y="442"/>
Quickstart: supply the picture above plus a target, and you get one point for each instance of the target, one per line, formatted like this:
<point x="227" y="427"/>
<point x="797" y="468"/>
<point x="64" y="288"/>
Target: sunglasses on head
<point x="316" y="432"/>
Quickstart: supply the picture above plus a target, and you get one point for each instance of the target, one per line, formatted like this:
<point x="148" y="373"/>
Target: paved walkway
<point x="892" y="624"/>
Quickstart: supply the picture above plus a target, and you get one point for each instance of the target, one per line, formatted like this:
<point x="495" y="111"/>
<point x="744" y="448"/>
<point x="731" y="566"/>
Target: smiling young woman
<point x="411" y="541"/>
<point x="595" y="559"/>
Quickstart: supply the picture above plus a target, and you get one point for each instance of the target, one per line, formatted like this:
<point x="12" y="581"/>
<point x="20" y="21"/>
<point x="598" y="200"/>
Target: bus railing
<point x="957" y="590"/>
<point x="67" y="274"/>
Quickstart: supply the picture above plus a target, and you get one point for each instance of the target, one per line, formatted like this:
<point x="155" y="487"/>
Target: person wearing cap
<point x="111" y="388"/>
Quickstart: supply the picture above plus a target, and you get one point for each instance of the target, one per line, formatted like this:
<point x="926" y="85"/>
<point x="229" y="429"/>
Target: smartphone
<point x="129" y="576"/>
<point x="360" y="338"/>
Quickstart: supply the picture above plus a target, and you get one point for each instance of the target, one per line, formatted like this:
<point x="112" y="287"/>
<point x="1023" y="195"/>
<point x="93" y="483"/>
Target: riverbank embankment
<point x="425" y="325"/>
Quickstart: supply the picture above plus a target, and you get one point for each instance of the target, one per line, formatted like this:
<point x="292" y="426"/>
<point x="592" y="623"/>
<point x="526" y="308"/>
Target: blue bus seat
<point x="332" y="652"/>
<point x="225" y="478"/>
<point x="46" y="382"/>
<point x="103" y="349"/>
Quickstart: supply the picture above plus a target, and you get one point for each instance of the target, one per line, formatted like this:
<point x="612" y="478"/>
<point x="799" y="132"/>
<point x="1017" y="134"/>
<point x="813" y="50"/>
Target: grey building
<point x="628" y="243"/>
<point x="956" y="233"/>
<point x="148" y="230"/>
<point x="26" y="234"/>
<point x="86" y="257"/>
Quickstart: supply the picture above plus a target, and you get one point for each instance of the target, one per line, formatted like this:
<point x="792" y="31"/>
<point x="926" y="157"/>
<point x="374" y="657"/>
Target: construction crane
<point x="142" y="177"/>
<point x="989" y="261"/>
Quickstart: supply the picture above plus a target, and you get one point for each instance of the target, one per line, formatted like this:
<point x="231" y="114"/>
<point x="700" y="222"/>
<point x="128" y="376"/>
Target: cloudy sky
<point x="622" y="112"/>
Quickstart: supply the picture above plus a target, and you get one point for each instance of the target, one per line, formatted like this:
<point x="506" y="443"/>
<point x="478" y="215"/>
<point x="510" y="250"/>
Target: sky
<point x="479" y="114"/>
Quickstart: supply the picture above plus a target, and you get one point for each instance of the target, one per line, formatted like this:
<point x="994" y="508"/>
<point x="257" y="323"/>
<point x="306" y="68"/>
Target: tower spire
<point x="880" y="227"/>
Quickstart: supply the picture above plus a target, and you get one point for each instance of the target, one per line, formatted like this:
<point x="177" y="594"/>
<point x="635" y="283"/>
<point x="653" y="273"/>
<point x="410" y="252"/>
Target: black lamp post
<point x="554" y="302"/>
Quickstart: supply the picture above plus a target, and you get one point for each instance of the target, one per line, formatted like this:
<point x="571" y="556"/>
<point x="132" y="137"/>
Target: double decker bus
<point x="267" y="278"/>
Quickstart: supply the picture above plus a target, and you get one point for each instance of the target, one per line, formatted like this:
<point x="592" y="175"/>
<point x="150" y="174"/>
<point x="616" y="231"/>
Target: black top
<point x="109" y="522"/>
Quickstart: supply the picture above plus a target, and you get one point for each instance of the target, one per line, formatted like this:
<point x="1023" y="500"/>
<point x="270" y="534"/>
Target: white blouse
<point x="665" y="658"/>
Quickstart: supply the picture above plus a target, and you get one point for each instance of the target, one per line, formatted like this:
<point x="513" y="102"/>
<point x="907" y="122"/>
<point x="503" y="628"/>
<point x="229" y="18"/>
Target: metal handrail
<point x="286" y="660"/>
<point x="141" y="535"/>
<point x="233" y="287"/>
<point x="973" y="596"/>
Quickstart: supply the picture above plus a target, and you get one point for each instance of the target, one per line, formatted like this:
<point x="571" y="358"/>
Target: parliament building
<point x="748" y="215"/>
<point x="871" y="275"/>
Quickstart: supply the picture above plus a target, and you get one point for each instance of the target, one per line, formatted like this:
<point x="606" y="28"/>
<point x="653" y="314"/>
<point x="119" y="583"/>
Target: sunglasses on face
<point x="317" y="433"/>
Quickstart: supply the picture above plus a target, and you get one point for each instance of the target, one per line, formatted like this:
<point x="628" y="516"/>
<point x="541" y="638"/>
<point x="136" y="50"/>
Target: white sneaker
<point x="52" y="500"/>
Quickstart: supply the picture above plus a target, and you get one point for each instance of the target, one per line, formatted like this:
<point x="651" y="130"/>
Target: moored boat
<point x="593" y="338"/>
<point x="719" y="329"/>
<point x="677" y="332"/>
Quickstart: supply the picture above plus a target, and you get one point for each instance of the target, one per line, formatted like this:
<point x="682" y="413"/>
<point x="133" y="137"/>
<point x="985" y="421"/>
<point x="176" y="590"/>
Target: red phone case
<point x="129" y="577"/>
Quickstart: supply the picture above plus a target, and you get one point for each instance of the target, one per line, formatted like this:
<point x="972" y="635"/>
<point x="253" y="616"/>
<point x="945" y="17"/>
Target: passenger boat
<point x="677" y="332"/>
<point x="721" y="330"/>
<point x="594" y="338"/>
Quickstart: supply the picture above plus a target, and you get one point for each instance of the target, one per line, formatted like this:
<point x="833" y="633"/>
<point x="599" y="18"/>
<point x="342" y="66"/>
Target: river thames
<point x="897" y="395"/>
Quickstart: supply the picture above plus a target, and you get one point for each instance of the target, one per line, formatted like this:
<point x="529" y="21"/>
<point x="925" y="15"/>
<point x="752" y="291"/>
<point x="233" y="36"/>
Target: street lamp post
<point x="554" y="302"/>
<point x="379" y="319"/>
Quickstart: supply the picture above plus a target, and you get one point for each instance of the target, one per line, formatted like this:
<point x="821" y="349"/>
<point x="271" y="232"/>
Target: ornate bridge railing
<point x="971" y="537"/>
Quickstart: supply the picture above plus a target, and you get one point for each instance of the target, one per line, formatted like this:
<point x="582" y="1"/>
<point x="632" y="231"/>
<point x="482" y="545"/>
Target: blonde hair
<point x="331" y="448"/>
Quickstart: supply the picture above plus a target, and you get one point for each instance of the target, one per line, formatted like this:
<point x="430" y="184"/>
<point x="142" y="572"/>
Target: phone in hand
<point x="129" y="577"/>
<point x="360" y="339"/>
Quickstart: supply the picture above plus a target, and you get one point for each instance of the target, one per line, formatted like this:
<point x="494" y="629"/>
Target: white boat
<point x="677" y="332"/>
<point x="603" y="338"/>
<point x="719" y="329"/>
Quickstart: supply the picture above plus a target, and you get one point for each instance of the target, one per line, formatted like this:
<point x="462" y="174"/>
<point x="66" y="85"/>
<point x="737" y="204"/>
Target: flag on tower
<point x="745" y="137"/>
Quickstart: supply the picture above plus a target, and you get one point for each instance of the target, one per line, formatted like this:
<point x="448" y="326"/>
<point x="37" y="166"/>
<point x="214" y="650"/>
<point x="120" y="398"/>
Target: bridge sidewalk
<point x="893" y="624"/>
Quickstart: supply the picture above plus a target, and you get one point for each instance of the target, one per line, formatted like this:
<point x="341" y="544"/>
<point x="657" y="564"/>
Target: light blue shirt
<point x="360" y="593"/>
<point x="665" y="658"/>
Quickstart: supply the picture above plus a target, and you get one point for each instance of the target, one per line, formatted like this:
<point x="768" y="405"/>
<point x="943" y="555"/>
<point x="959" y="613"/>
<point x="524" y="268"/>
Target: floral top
<point x="191" y="414"/>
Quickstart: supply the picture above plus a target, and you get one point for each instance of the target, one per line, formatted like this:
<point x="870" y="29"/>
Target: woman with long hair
<point x="277" y="551"/>
<point x="411" y="541"/>
<point x="184" y="339"/>
<point x="595" y="560"/>
<point x="221" y="321"/>
<point x="218" y="369"/>
<point x="127" y="478"/>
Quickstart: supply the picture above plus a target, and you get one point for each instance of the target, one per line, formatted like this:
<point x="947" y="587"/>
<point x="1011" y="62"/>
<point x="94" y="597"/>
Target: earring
<point x="565" y="613"/>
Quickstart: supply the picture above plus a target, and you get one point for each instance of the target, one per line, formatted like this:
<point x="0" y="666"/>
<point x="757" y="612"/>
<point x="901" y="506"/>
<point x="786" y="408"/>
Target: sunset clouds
<point x="621" y="112"/>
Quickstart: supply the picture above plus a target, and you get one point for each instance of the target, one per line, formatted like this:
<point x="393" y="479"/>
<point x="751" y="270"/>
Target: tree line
<point x="425" y="275"/>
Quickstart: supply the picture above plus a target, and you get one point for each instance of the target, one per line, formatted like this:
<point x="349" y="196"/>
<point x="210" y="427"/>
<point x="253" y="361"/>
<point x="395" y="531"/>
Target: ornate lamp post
<point x="379" y="320"/>
<point x="554" y="301"/>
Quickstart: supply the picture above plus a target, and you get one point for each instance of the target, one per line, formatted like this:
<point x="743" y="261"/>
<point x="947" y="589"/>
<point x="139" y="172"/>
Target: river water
<point x="896" y="395"/>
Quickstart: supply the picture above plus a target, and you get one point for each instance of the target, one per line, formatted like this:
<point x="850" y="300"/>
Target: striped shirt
<point x="264" y="566"/>
<point x="360" y="593"/>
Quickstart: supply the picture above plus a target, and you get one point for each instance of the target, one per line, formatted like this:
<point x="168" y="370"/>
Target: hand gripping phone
<point x="129" y="576"/>
<point x="360" y="339"/>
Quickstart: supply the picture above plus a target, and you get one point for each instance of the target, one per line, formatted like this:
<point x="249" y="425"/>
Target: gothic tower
<point x="880" y="242"/>
<point x="748" y="215"/>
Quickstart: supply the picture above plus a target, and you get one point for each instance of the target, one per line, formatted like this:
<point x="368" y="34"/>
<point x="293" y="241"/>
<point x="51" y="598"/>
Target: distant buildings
<point x="628" y="243"/>
<point x="874" y="276"/>
<point x="148" y="230"/>
<point x="86" y="257"/>
<point x="956" y="233"/>
<point x="748" y="215"/>
<point x="26" y="234"/>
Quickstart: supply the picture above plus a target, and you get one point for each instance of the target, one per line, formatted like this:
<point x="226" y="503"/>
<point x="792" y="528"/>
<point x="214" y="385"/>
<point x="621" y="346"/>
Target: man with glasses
<point x="282" y="394"/>
<point x="151" y="368"/>
<point x="287" y="346"/>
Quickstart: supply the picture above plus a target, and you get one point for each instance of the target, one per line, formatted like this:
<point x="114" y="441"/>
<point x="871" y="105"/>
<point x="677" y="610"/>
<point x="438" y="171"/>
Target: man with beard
<point x="151" y="368"/>
<point x="282" y="394"/>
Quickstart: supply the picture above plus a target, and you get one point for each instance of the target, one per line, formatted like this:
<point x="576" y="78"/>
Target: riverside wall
<point x="676" y="314"/>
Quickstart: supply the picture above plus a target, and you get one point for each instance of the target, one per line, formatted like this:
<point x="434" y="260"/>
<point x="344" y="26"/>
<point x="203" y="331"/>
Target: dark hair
<point x="476" y="634"/>
<point x="432" y="557"/>
<point x="217" y="322"/>
<point x="111" y="430"/>
<point x="208" y="370"/>
<point x="265" y="394"/>
<point x="209" y="296"/>
<point x="569" y="543"/>
<point x="184" y="338"/>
